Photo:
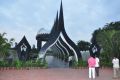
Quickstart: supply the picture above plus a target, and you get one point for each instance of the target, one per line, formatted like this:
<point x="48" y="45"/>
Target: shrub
<point x="82" y="63"/>
<point x="18" y="64"/>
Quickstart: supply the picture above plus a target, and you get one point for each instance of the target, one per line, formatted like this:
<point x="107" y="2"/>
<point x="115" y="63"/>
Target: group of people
<point x="93" y="64"/>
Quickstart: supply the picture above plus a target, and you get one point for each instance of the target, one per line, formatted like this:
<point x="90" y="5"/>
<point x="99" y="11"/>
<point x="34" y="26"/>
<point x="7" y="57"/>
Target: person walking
<point x="97" y="66"/>
<point x="91" y="65"/>
<point x="116" y="66"/>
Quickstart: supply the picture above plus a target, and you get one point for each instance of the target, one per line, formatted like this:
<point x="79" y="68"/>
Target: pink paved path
<point x="53" y="74"/>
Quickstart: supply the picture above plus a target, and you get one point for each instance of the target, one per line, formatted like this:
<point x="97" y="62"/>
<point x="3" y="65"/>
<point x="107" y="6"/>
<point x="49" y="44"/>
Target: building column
<point x="39" y="44"/>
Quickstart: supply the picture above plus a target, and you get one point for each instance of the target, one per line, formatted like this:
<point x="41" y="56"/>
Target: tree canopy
<point x="83" y="45"/>
<point x="108" y="38"/>
<point x="5" y="44"/>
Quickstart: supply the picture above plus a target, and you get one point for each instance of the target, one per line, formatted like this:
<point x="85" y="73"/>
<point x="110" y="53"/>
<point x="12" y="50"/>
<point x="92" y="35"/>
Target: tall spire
<point x="55" y="24"/>
<point x="61" y="18"/>
<point x="57" y="17"/>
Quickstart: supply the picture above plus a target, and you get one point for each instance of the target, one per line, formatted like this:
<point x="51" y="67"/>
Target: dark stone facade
<point x="23" y="49"/>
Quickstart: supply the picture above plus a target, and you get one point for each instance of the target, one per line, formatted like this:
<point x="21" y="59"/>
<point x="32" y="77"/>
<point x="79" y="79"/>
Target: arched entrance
<point x="58" y="41"/>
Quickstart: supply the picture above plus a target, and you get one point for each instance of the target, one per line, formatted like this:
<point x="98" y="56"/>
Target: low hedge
<point x="19" y="64"/>
<point x="80" y="63"/>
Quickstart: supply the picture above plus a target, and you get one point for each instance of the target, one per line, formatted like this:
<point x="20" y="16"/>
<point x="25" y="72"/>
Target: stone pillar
<point x="39" y="44"/>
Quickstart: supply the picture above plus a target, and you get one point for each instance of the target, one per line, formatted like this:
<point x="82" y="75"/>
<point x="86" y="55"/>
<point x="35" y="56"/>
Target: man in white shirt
<point x="97" y="66"/>
<point x="115" y="62"/>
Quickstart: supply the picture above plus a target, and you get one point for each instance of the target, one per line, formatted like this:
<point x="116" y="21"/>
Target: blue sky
<point x="82" y="17"/>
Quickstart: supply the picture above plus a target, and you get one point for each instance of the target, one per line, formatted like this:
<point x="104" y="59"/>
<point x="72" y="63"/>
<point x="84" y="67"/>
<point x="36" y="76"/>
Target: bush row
<point x="19" y="64"/>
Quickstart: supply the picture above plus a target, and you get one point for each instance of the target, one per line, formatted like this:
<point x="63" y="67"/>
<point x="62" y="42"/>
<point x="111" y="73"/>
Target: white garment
<point x="92" y="73"/>
<point x="115" y="62"/>
<point x="97" y="62"/>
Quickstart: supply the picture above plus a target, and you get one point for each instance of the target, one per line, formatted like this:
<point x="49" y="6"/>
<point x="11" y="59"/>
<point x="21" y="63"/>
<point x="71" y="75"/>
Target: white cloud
<point x="82" y="17"/>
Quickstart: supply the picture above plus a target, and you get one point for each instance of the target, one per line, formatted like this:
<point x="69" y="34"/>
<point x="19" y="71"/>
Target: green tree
<point x="112" y="25"/>
<point x="83" y="45"/>
<point x="104" y="39"/>
<point x="109" y="40"/>
<point x="5" y="45"/>
<point x="116" y="44"/>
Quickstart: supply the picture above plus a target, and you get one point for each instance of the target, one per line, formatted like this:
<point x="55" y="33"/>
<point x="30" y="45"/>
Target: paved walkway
<point x="58" y="70"/>
<point x="53" y="74"/>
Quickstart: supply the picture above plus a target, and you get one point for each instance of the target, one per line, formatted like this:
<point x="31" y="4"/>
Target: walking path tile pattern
<point x="53" y="74"/>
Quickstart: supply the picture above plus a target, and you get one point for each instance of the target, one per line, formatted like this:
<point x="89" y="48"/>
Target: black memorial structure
<point x="23" y="49"/>
<point x="58" y="41"/>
